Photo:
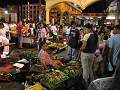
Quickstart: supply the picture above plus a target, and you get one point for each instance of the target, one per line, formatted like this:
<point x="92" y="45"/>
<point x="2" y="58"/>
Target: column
<point x="61" y="18"/>
<point x="47" y="16"/>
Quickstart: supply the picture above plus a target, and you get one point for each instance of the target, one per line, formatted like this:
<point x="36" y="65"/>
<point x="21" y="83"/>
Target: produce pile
<point x="55" y="45"/>
<point x="72" y="71"/>
<point x="52" y="79"/>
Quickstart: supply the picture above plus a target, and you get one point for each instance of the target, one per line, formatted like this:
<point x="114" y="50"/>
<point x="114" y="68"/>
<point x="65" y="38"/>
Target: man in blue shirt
<point x="114" y="45"/>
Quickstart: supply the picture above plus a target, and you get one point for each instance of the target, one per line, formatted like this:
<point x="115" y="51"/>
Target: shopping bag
<point x="109" y="66"/>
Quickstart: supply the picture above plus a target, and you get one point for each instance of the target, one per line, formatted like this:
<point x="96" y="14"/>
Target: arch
<point x="50" y="3"/>
<point x="82" y="3"/>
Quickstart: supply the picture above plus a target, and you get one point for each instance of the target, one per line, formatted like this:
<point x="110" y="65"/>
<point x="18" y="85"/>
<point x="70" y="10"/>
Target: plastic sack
<point x="109" y="67"/>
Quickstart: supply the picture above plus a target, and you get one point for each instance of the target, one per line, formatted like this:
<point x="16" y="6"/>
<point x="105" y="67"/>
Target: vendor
<point x="5" y="43"/>
<point x="45" y="58"/>
<point x="3" y="39"/>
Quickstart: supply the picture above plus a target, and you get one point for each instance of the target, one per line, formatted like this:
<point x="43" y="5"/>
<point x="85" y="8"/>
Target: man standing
<point x="90" y="41"/>
<point x="54" y="32"/>
<point x="73" y="41"/>
<point x="114" y="45"/>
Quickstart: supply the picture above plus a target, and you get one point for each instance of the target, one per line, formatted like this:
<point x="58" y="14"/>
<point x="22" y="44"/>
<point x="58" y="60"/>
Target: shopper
<point x="20" y="34"/>
<point x="42" y="35"/>
<point x="73" y="41"/>
<point x="114" y="45"/>
<point x="54" y="32"/>
<point x="116" y="75"/>
<point x="90" y="41"/>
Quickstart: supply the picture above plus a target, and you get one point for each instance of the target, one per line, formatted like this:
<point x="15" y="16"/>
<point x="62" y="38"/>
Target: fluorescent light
<point x="99" y="17"/>
<point x="6" y="12"/>
<point x="110" y="17"/>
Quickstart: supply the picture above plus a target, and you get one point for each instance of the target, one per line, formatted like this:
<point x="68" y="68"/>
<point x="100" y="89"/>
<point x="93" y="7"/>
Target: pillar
<point x="47" y="16"/>
<point x="61" y="18"/>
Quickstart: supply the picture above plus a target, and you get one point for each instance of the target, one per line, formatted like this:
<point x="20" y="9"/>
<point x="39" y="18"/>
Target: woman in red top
<point x="45" y="58"/>
<point x="20" y="33"/>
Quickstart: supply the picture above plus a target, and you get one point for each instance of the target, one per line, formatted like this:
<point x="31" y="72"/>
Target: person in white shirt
<point x="5" y="41"/>
<point x="54" y="32"/>
<point x="2" y="30"/>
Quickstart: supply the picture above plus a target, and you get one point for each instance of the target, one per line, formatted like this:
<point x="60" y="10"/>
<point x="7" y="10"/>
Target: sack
<point x="109" y="66"/>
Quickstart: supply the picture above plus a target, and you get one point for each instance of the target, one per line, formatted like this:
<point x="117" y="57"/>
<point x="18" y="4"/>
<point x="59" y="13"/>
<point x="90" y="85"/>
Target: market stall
<point x="32" y="74"/>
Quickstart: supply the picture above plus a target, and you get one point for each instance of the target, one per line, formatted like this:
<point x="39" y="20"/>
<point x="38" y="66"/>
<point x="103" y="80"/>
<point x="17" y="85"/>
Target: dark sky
<point x="4" y="3"/>
<point x="99" y="6"/>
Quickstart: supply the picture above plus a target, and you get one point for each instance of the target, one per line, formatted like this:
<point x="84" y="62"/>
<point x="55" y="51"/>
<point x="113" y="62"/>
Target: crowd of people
<point x="90" y="44"/>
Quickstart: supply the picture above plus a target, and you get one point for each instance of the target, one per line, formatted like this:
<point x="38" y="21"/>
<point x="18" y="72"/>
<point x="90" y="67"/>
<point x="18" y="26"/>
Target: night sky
<point x="97" y="7"/>
<point x="4" y="3"/>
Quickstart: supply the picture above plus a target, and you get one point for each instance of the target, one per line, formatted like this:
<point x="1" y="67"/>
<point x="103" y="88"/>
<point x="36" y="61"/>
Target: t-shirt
<point x="19" y="28"/>
<point x="54" y="30"/>
<point x="74" y="38"/>
<point x="42" y="33"/>
<point x="45" y="57"/>
<point x="92" y="40"/>
<point x="3" y="32"/>
<point x="68" y="31"/>
<point x="114" y="44"/>
<point x="4" y="41"/>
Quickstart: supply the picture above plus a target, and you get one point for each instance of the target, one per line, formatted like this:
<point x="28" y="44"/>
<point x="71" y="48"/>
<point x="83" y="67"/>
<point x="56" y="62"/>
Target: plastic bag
<point x="109" y="66"/>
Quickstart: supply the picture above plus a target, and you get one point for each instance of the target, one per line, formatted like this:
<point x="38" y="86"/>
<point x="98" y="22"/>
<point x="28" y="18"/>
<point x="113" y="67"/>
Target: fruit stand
<point x="65" y="77"/>
<point x="60" y="79"/>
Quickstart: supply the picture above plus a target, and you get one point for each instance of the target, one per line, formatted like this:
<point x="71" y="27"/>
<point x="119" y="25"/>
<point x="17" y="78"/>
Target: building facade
<point x="31" y="12"/>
